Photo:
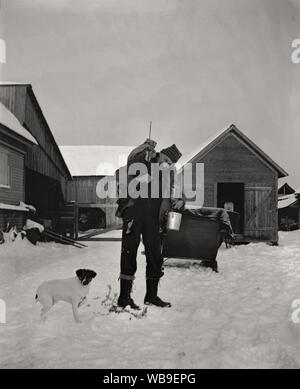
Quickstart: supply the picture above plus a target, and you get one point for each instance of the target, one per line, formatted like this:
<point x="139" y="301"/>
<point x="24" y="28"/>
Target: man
<point x="144" y="217"/>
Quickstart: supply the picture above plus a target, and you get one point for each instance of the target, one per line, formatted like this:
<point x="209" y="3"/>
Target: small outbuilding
<point x="285" y="189"/>
<point x="288" y="208"/>
<point x="88" y="165"/>
<point x="238" y="173"/>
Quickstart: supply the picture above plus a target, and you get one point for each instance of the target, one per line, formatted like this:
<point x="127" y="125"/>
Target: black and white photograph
<point x="149" y="187"/>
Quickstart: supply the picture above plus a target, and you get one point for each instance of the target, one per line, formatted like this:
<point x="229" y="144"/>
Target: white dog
<point x="72" y="290"/>
<point x="9" y="236"/>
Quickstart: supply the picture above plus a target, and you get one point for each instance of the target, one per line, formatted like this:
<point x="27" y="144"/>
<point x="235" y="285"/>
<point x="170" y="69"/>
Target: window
<point x="4" y="170"/>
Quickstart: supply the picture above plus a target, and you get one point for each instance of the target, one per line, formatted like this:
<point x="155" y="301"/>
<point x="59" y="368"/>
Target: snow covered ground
<point x="239" y="318"/>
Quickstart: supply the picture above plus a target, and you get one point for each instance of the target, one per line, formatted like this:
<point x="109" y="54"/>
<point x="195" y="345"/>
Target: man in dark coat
<point x="144" y="217"/>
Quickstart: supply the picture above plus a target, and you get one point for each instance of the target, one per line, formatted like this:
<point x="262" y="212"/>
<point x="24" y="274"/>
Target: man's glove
<point x="148" y="148"/>
<point x="151" y="143"/>
<point x="177" y="204"/>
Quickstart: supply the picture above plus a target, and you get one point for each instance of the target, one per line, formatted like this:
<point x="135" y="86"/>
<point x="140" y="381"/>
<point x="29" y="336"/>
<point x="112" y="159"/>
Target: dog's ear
<point x="80" y="274"/>
<point x="93" y="273"/>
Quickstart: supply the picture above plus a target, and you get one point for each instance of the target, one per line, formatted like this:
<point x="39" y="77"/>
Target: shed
<point x="238" y="172"/>
<point x="285" y="189"/>
<point x="88" y="165"/>
<point x="289" y="211"/>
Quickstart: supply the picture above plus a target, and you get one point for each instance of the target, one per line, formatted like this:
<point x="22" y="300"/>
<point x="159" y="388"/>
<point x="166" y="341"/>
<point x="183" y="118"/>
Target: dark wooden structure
<point x="285" y="189"/>
<point x="89" y="165"/>
<point x="198" y="238"/>
<point x="237" y="171"/>
<point x="93" y="212"/>
<point x="43" y="174"/>
<point x="288" y="208"/>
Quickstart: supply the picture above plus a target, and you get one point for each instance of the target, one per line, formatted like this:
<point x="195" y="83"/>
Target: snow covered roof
<point x="95" y="160"/>
<point x="189" y="157"/>
<point x="10" y="207"/>
<point x="13" y="83"/>
<point x="287" y="201"/>
<point x="209" y="144"/>
<point x="12" y="123"/>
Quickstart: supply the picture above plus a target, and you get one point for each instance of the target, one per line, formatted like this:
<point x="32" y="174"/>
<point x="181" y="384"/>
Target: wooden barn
<point x="32" y="168"/>
<point x="285" y="189"/>
<point x="237" y="173"/>
<point x="288" y="208"/>
<point x="14" y="142"/>
<point x="88" y="165"/>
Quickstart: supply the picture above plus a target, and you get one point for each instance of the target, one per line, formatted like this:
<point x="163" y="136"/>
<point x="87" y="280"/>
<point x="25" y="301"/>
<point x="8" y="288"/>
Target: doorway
<point x="91" y="218"/>
<point x="231" y="197"/>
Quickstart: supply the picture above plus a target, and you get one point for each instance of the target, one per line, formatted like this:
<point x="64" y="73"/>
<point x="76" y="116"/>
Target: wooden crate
<point x="198" y="238"/>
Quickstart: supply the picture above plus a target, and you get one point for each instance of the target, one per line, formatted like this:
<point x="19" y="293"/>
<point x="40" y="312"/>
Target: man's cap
<point x="172" y="152"/>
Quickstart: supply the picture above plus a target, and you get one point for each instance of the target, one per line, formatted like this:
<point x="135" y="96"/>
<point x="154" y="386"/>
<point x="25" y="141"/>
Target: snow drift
<point x="239" y="318"/>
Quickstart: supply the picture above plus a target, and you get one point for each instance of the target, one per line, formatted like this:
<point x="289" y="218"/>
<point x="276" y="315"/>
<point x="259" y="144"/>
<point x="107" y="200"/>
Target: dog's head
<point x="85" y="276"/>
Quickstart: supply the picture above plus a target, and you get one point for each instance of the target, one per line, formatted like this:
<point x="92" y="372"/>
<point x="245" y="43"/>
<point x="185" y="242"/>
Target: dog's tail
<point x="36" y="298"/>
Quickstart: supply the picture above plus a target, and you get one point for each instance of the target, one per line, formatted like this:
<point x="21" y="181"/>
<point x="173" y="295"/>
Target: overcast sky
<point x="102" y="69"/>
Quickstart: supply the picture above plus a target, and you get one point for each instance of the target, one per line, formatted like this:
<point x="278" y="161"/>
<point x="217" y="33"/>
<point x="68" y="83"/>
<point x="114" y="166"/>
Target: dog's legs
<point x="47" y="304"/>
<point x="44" y="312"/>
<point x="75" y="311"/>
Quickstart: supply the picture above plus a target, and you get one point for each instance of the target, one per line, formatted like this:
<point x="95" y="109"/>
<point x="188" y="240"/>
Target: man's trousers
<point x="147" y="226"/>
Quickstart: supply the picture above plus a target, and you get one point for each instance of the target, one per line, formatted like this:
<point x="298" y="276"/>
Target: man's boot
<point x="151" y="297"/>
<point x="125" y="291"/>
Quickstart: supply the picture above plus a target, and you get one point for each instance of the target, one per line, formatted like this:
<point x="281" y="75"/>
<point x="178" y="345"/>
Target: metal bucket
<point x="174" y="221"/>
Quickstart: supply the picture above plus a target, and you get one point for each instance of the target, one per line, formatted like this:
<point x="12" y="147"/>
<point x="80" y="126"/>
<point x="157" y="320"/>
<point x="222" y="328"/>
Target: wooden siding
<point x="45" y="158"/>
<point x="260" y="218"/>
<point x="14" y="98"/>
<point x="36" y="160"/>
<point x="232" y="161"/>
<point x="83" y="190"/>
<point x="38" y="127"/>
<point x="16" y="192"/>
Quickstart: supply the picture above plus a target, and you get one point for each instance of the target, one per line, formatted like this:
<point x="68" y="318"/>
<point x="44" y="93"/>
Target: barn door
<point x="260" y="213"/>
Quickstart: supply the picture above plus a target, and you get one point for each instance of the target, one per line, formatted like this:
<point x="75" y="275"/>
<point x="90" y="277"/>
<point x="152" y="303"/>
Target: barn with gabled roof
<point x="32" y="169"/>
<point x="88" y="165"/>
<point x="239" y="175"/>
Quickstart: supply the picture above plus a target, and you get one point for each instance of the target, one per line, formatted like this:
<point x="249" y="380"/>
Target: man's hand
<point x="150" y="147"/>
<point x="151" y="143"/>
<point x="178" y="204"/>
<point x="137" y="154"/>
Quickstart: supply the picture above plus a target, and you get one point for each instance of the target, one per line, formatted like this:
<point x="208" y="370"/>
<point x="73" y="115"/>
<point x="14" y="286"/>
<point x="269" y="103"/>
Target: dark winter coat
<point x="165" y="204"/>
